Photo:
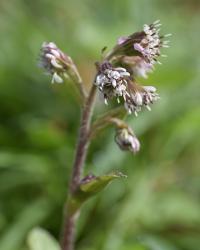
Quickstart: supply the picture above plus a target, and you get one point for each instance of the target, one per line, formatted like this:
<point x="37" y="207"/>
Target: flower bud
<point x="126" y="139"/>
<point x="55" y="62"/>
<point x="87" y="179"/>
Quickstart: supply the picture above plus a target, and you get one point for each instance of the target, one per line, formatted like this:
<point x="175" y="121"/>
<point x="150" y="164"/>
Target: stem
<point x="107" y="119"/>
<point x="75" y="76"/>
<point x="82" y="146"/>
<point x="69" y="233"/>
<point x="80" y="155"/>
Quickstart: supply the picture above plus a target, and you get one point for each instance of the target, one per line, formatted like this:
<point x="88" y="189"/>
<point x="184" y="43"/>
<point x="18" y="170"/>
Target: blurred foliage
<point x="158" y="206"/>
<point x="39" y="239"/>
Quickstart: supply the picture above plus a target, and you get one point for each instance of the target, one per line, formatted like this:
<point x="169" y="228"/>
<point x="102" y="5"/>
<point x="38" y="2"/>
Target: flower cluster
<point x="54" y="61"/>
<point x="146" y="43"/>
<point x="126" y="140"/>
<point x="116" y="82"/>
<point x="133" y="56"/>
<point x="112" y="82"/>
<point x="140" y="96"/>
<point x="149" y="46"/>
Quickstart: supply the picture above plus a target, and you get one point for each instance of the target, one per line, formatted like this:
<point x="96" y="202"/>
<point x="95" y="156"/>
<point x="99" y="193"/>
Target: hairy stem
<point x="80" y="155"/>
<point x="69" y="233"/>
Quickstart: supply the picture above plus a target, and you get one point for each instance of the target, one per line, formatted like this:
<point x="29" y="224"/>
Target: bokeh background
<point x="158" y="206"/>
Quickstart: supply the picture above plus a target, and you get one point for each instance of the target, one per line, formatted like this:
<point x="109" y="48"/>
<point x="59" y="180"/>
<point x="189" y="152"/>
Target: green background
<point x="158" y="206"/>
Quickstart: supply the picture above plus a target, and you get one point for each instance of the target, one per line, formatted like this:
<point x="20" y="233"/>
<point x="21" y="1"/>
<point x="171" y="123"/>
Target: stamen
<point x="157" y="21"/>
<point x="148" y="107"/>
<point x="168" y="35"/>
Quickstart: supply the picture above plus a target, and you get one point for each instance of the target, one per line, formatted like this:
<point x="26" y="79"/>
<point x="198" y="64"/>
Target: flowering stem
<point x="69" y="233"/>
<point x="80" y="155"/>
<point x="106" y="119"/>
<point x="75" y="76"/>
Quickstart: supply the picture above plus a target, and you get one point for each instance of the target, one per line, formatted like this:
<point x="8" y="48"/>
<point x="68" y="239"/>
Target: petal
<point x="56" y="78"/>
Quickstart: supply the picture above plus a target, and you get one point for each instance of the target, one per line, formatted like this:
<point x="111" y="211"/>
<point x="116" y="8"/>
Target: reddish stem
<point x="80" y="155"/>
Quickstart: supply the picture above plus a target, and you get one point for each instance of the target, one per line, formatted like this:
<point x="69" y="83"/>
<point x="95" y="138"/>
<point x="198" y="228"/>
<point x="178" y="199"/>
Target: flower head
<point x="151" y="42"/>
<point x="126" y="139"/>
<point x="133" y="56"/>
<point x="112" y="82"/>
<point x="146" y="44"/>
<point x="54" y="61"/>
<point x="116" y="82"/>
<point x="140" y="96"/>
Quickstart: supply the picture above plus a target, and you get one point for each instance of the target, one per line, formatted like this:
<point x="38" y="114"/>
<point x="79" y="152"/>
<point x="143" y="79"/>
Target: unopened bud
<point x="126" y="140"/>
<point x="55" y="62"/>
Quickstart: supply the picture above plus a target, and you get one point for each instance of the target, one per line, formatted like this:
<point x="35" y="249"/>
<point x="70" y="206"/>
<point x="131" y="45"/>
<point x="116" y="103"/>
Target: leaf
<point x="97" y="184"/>
<point x="32" y="215"/>
<point x="40" y="239"/>
<point x="90" y="186"/>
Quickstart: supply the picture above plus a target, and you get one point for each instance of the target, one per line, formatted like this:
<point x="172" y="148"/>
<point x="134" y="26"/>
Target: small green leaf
<point x="96" y="184"/>
<point x="39" y="239"/>
<point x="90" y="186"/>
